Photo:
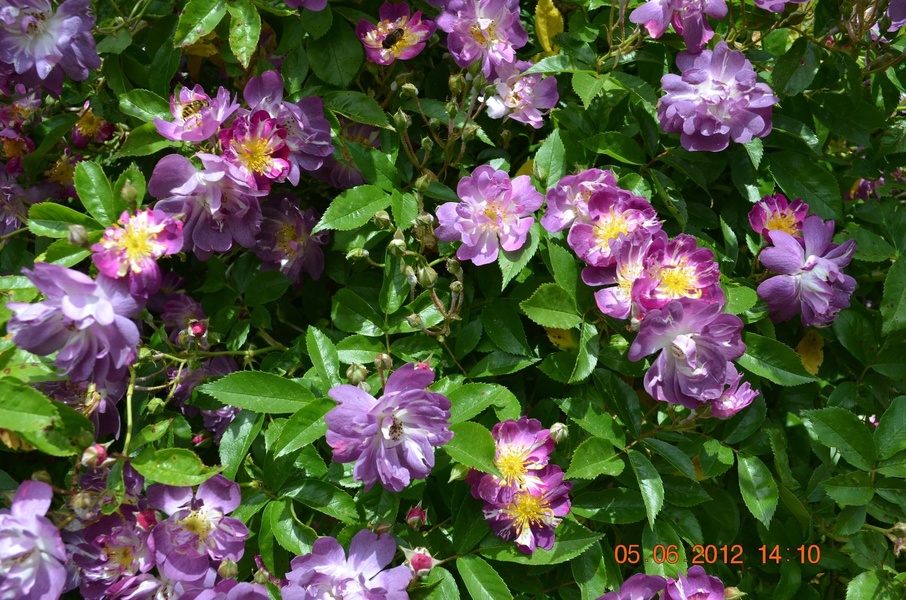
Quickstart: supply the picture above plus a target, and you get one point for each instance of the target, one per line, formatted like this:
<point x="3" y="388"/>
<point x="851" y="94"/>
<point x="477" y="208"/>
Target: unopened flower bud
<point x="146" y="519"/>
<point x="451" y="108"/>
<point x="228" y="569"/>
<point x="155" y="405"/>
<point x="401" y="120"/>
<point x="469" y="132"/>
<point x="559" y="432"/>
<point x="417" y="517"/>
<point x="356" y="254"/>
<point x="42" y="475"/>
<point x="454" y="267"/>
<point x="411" y="277"/>
<point x="420" y="561"/>
<point x="457" y="83"/>
<point x="899" y="529"/>
<point x="427" y="144"/>
<point x="382" y="219"/>
<point x="425" y="219"/>
<point x="382" y="527"/>
<point x="408" y="89"/>
<point x="364" y="386"/>
<point x="415" y="321"/>
<point x="456" y="287"/>
<point x="83" y="502"/>
<point x="383" y="362"/>
<point x="427" y="277"/>
<point x="458" y="472"/>
<point x="198" y="328"/>
<point x="732" y="593"/>
<point x="78" y="236"/>
<point x="356" y="373"/>
<point x="94" y="456"/>
<point x="129" y="192"/>
<point x="202" y="440"/>
<point x="396" y="247"/>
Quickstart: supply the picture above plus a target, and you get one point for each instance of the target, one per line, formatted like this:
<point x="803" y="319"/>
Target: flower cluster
<point x="696" y="584"/>
<point x="531" y="499"/>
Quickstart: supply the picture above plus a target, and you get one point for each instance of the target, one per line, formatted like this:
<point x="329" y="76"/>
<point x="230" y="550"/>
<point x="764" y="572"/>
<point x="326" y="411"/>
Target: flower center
<point x="679" y="281"/>
<point x="198" y="524"/>
<point x="393" y="430"/>
<point x="484" y="32"/>
<point x="511" y="463"/>
<point x="286" y="236"/>
<point x="136" y="243"/>
<point x="609" y="227"/>
<point x="121" y="555"/>
<point x="255" y="154"/>
<point x="88" y="124"/>
<point x="527" y="510"/>
<point x="783" y="221"/>
<point x="36" y="23"/>
<point x="14" y="148"/>
<point x="62" y="171"/>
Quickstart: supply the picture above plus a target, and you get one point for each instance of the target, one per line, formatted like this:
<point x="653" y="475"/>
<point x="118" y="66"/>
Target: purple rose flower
<point x="687" y="16"/>
<point x="638" y="587"/>
<point x="486" y="30"/>
<point x="312" y="5"/>
<point x="735" y="398"/>
<point x="495" y="212"/>
<point x="396" y="36"/>
<point x="216" y="209"/>
<point x="196" y="116"/>
<point x="131" y="251"/>
<point x="531" y="516"/>
<point x="254" y="146"/>
<point x="184" y="318"/>
<point x="776" y="5"/>
<point x="198" y="529"/>
<point x="285" y="241"/>
<point x="697" y="342"/>
<point x="717" y="98"/>
<point x="897" y="11"/>
<point x="32" y="555"/>
<point x="523" y="98"/>
<point x="615" y="300"/>
<point x="38" y="42"/>
<point x="88" y="322"/>
<point x="229" y="589"/>
<point x="567" y="202"/>
<point x="391" y="440"/>
<point x="327" y="573"/>
<point x="811" y="278"/>
<point x="90" y="128"/>
<point x="695" y="585"/>
<point x="776" y="213"/>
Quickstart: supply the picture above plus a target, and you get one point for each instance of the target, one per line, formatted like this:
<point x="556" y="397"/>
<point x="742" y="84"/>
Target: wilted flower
<point x="735" y="398"/>
<point x="495" y="212"/>
<point x="697" y="342"/>
<point x="523" y="98"/>
<point x="687" y="16"/>
<point x="14" y="147"/>
<point x="567" y="202"/>
<point x="776" y="5"/>
<point x="285" y="241"/>
<point x="90" y="128"/>
<point x="396" y="36"/>
<point x="196" y="116"/>
<point x="256" y="149"/>
<point x="717" y="98"/>
<point x="391" y="440"/>
<point x="131" y="251"/>
<point x="97" y="402"/>
<point x="776" y="213"/>
<point x="695" y="585"/>
<point x="88" y="321"/>
<point x="638" y="587"/>
<point x="32" y="555"/>
<point x="327" y="573"/>
<point x="811" y="278"/>
<point x="198" y="529"/>
<point x="486" y="30"/>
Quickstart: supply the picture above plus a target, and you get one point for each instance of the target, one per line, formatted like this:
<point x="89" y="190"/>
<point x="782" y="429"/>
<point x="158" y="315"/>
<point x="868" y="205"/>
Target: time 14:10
<point x="807" y="554"/>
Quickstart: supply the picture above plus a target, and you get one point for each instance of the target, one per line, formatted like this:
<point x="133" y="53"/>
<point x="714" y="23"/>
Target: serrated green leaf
<point x="323" y="355"/>
<point x="353" y="208"/>
<point x="672" y="455"/>
<point x="552" y="306"/>
<point x="53" y="220"/>
<point x="773" y="360"/>
<point x="259" y="392"/>
<point x="890" y="436"/>
<point x="616" y="145"/>
<point x="650" y="483"/>
<point x="839" y="428"/>
<point x="759" y="491"/>
<point x="336" y="57"/>
<point x="96" y="193"/>
<point x="893" y="303"/>
<point x="145" y="105"/>
<point x="571" y="540"/>
<point x="145" y="140"/>
<point x="473" y="446"/>
<point x="303" y="428"/>
<point x="800" y="176"/>
<point x="481" y="579"/>
<point x="198" y="19"/>
<point x="237" y="439"/>
<point x="173" y="466"/>
<point x="592" y="458"/>
<point x="295" y="537"/>
<point x="512" y="263"/>
<point x="357" y="106"/>
<point x="850" y="489"/>
<point x="502" y="324"/>
<point x="323" y="497"/>
<point x="245" y="29"/>
<point x="469" y="400"/>
<point x="549" y="163"/>
<point x="23" y="408"/>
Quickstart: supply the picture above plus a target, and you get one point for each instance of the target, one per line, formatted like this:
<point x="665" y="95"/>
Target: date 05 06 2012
<point x="708" y="554"/>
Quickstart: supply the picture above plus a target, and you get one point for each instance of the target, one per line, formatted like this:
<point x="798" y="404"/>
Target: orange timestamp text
<point x="709" y="554"/>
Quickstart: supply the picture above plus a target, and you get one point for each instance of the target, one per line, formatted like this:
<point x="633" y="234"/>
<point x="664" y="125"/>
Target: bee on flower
<point x="398" y="35"/>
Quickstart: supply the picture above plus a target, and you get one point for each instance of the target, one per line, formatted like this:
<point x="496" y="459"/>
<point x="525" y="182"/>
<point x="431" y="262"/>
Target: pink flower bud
<point x="198" y="328"/>
<point x="420" y="561"/>
<point x="94" y="456"/>
<point x="146" y="519"/>
<point x="416" y="517"/>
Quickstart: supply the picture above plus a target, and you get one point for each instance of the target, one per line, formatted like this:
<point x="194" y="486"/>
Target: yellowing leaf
<point x="548" y="23"/>
<point x="811" y="351"/>
<point x="564" y="339"/>
<point x="525" y="169"/>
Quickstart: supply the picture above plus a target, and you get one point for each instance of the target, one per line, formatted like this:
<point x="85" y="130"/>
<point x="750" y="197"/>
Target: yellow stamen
<point x="679" y="281"/>
<point x="782" y="221"/>
<point x="609" y="228"/>
<point x="14" y="148"/>
<point x="197" y="524"/>
<point x="527" y="510"/>
<point x="511" y="463"/>
<point x="255" y="154"/>
<point x="88" y="124"/>
<point x="62" y="171"/>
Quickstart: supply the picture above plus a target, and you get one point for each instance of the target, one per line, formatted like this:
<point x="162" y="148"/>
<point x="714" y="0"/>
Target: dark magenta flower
<point x="687" y="16"/>
<point x="494" y="212"/>
<point x="695" y="585"/>
<point x="616" y="217"/>
<point x="638" y="587"/>
<point x="396" y="36"/>
<point x="90" y="128"/>
<point x="285" y="241"/>
<point x="776" y="5"/>
<point x="326" y="572"/>
<point x="523" y="98"/>
<point x="811" y="278"/>
<point x="130" y="252"/>
<point x="391" y="440"/>
<point x="32" y="555"/>
<point x="735" y="398"/>
<point x="254" y="146"/>
<point x="485" y="30"/>
<point x="697" y="342"/>
<point x="776" y="213"/>
<point x="716" y="99"/>
<point x="196" y="116"/>
<point x="615" y="299"/>
<point x="567" y="202"/>
<point x="88" y="323"/>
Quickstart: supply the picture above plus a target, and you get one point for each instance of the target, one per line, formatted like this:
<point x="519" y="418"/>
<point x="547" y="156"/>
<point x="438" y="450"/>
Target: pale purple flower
<point x="530" y="517"/>
<point x="396" y="36"/>
<point x="776" y="213"/>
<point x="695" y="585"/>
<point x="687" y="16"/>
<point x="735" y="398"/>
<point x="326" y="572"/>
<point x="312" y="5"/>
<point x="130" y="252"/>
<point x="485" y="30"/>
<point x="495" y="212"/>
<point x="697" y="342"/>
<point x="285" y="241"/>
<point x="216" y="209"/>
<point x="567" y="202"/>
<point x="717" y="98"/>
<point x="198" y="529"/>
<point x="811" y="278"/>
<point x="39" y="42"/>
<point x="88" y="322"/>
<point x="196" y="116"/>
<point x="523" y="98"/>
<point x="254" y="146"/>
<point x="14" y="201"/>
<point x="391" y="440"/>
<point x="776" y="6"/>
<point x="523" y="450"/>
<point x="229" y="589"/>
<point x="615" y="299"/>
<point x="32" y="555"/>
<point x="616" y="218"/>
<point x="638" y="587"/>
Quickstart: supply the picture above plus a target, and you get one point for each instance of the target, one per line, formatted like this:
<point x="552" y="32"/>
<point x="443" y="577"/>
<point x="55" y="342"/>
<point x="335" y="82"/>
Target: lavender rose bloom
<point x="495" y="212"/>
<point x="615" y="299"/>
<point x="485" y="30"/>
<point x="523" y="98"/>
<point x="409" y="34"/>
<point x="285" y="241"/>
<point x="567" y="202"/>
<point x="811" y="278"/>
<point x="638" y="587"/>
<point x="697" y="342"/>
<point x="196" y="116"/>
<point x="32" y="554"/>
<point x="776" y="213"/>
<point x="88" y="321"/>
<point x="687" y="16"/>
<point x="695" y="585"/>
<point x="735" y="398"/>
<point x="717" y="98"/>
<point x="327" y="573"/>
<point x="392" y="439"/>
<point x="776" y="5"/>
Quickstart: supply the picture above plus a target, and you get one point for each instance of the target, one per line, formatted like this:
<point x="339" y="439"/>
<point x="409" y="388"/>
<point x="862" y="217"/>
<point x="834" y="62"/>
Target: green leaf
<point x="575" y="365"/>
<point x="588" y="86"/>
<point x="617" y="506"/>
<point x="664" y="535"/>
<point x="96" y="193"/>
<point x="795" y="70"/>
<point x="323" y="355"/>
<point x="571" y="540"/>
<point x="868" y="586"/>
<point x="746" y="422"/>
<point x="245" y="29"/>
<point x="266" y="286"/>
<point x="353" y="208"/>
<point x="839" y="428"/>
<point x="616" y="145"/>
<point x="145" y="106"/>
<point x="351" y="313"/>
<point x="145" y="140"/>
<point x="620" y="398"/>
<point x="130" y="182"/>
<point x="740" y="299"/>
<point x="69" y="433"/>
<point x="673" y="455"/>
<point x="198" y="19"/>
<point x="552" y="306"/>
<point x="336" y="57"/>
<point x="870" y="247"/>
<point x="259" y="392"/>
<point x="481" y="579"/>
<point x="295" y="537"/>
<point x="53" y="220"/>
<point x="469" y="400"/>
<point x="395" y="286"/>
<point x="773" y="360"/>
<point x="850" y="489"/>
<point x="151" y="433"/>
<point x="473" y="446"/>
<point x="890" y="436"/>
<point x="23" y="408"/>
<point x="550" y="160"/>
<point x="404" y="208"/>
<point x="358" y="349"/>
<point x="512" y="263"/>
<point x="237" y="439"/>
<point x="303" y="428"/>
<point x="173" y="466"/>
<point x="317" y="23"/>
<point x="650" y="483"/>
<point x="357" y="106"/>
<point x="56" y="127"/>
<point x="590" y="571"/>
<point x="500" y="363"/>
<point x="893" y="303"/>
<point x="502" y="324"/>
<point x="802" y="177"/>
<point x="439" y="585"/>
<point x="294" y="69"/>
<point x="591" y="415"/>
<point x="592" y="458"/>
<point x="847" y="116"/>
<point x="759" y="491"/>
<point x="325" y="498"/>
<point x="564" y="269"/>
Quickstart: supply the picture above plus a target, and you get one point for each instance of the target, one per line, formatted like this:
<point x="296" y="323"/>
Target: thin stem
<point x="129" y="391"/>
